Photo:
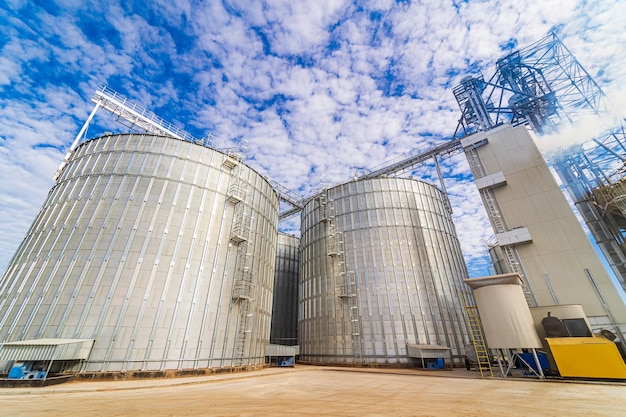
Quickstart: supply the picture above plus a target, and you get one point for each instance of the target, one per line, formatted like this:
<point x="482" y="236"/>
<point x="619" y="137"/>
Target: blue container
<point x="435" y="363"/>
<point x="285" y="361"/>
<point x="529" y="358"/>
<point x="19" y="370"/>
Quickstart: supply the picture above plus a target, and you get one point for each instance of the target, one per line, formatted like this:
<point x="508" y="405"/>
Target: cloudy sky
<point x="318" y="89"/>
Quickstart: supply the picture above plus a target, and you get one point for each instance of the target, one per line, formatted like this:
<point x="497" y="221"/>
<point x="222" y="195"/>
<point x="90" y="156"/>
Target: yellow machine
<point x="587" y="357"/>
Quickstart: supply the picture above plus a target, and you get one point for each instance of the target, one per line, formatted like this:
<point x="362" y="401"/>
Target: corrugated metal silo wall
<point x="402" y="256"/>
<point x="285" y="308"/>
<point x="133" y="248"/>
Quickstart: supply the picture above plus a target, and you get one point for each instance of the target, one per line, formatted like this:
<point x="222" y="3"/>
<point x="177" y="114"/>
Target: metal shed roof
<point x="46" y="350"/>
<point x="280" y="350"/>
<point x="512" y="279"/>
<point x="428" y="351"/>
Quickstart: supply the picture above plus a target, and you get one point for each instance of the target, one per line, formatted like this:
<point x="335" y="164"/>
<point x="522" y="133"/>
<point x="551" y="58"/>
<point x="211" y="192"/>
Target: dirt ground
<point x="315" y="391"/>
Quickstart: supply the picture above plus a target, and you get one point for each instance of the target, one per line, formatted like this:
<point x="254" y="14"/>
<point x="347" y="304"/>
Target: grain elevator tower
<point x="537" y="91"/>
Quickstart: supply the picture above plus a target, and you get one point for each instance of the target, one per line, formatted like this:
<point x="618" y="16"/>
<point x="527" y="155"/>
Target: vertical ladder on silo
<point x="515" y="265"/>
<point x="483" y="361"/>
<point x="478" y="171"/>
<point x="243" y="288"/>
<point x="242" y="280"/>
<point x="493" y="210"/>
<point x="238" y="186"/>
<point x="241" y="227"/>
<point x="474" y="162"/>
<point x="244" y="331"/>
<point x="355" y="326"/>
<point x="243" y="297"/>
<point x="345" y="280"/>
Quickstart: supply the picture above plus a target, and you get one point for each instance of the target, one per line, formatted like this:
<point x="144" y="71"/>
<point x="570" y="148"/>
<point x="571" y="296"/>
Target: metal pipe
<point x="605" y="306"/>
<point x="75" y="143"/>
<point x="549" y="284"/>
<point x="541" y="375"/>
<point x="443" y="185"/>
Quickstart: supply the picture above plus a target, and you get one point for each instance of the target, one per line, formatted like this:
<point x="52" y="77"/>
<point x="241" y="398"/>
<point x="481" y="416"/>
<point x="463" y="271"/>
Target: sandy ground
<point x="314" y="391"/>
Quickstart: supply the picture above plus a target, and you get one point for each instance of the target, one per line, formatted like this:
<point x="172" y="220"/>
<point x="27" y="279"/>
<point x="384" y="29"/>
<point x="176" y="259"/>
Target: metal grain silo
<point x="381" y="268"/>
<point x="159" y="249"/>
<point x="285" y="307"/>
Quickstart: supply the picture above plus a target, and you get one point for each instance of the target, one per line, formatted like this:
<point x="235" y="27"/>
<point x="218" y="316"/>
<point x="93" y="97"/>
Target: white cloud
<point x="295" y="27"/>
<point x="9" y="71"/>
<point x="310" y="113"/>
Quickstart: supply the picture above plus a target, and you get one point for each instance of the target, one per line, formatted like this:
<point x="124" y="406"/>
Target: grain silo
<point x="285" y="307"/>
<point x="160" y="250"/>
<point x="381" y="268"/>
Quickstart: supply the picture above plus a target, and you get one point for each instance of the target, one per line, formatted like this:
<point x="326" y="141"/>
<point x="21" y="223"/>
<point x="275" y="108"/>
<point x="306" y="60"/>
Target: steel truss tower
<point x="544" y="87"/>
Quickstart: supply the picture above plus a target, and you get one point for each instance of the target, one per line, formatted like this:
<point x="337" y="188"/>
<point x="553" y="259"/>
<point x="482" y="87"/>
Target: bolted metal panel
<point x="132" y="249"/>
<point x="285" y="307"/>
<point x="396" y="279"/>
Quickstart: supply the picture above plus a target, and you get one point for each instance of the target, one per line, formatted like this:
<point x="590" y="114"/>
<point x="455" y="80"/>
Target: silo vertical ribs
<point x="346" y="287"/>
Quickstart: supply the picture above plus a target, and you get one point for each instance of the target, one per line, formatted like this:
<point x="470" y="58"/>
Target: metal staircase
<point x="346" y="287"/>
<point x="237" y="188"/>
<point x="240" y="232"/>
<point x="243" y="287"/>
<point x="498" y="223"/>
<point x="244" y="331"/>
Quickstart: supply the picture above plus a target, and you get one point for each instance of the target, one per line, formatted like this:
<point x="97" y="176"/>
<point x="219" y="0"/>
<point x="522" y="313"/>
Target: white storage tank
<point x="504" y="312"/>
<point x="161" y="250"/>
<point x="285" y="308"/>
<point x="381" y="267"/>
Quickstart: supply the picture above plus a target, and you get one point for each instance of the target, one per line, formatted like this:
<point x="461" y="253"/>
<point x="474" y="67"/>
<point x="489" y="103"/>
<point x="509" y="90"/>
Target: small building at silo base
<point x="285" y="306"/>
<point x="159" y="250"/>
<point x="381" y="270"/>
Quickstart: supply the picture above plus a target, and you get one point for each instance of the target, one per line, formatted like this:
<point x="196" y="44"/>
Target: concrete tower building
<point x="381" y="268"/>
<point x="537" y="230"/>
<point x="160" y="250"/>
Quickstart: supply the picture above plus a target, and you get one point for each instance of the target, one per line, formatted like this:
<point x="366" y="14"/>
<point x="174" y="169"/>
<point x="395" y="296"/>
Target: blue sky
<point x="317" y="89"/>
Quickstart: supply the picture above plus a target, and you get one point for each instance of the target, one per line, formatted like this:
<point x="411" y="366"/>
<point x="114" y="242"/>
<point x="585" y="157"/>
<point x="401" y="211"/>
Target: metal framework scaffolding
<point x="544" y="87"/>
<point x="593" y="174"/>
<point x="541" y="85"/>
